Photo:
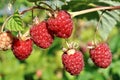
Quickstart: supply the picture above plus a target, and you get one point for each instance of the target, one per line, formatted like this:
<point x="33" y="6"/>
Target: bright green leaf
<point x="15" y="23"/>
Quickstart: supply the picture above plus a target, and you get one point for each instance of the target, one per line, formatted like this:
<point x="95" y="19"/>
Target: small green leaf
<point x="15" y="23"/>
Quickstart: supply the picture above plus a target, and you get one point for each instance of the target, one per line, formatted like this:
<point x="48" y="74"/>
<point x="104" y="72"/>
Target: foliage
<point x="15" y="23"/>
<point x="48" y="62"/>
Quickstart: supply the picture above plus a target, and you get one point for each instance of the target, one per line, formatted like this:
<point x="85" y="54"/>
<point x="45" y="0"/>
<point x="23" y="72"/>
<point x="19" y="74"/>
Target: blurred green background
<point x="45" y="64"/>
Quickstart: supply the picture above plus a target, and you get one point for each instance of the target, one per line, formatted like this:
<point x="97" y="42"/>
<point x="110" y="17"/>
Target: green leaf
<point x="112" y="3"/>
<point x="15" y="23"/>
<point x="108" y="21"/>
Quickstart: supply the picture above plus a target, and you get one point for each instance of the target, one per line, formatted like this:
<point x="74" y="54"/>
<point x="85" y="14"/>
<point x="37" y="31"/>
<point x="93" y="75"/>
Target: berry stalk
<point x="5" y="23"/>
<point x="100" y="18"/>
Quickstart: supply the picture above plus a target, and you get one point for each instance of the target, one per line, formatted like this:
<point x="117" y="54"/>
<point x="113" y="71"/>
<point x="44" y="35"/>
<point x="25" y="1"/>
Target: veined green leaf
<point x="15" y="23"/>
<point x="108" y="21"/>
<point x="111" y="2"/>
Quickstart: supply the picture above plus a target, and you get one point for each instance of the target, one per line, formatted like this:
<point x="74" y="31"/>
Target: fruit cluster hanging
<point x="42" y="34"/>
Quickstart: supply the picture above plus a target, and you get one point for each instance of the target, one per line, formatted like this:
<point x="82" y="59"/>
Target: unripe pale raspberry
<point x="6" y="40"/>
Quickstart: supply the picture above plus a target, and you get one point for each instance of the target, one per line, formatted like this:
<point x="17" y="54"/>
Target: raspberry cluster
<point x="42" y="34"/>
<point x="60" y="25"/>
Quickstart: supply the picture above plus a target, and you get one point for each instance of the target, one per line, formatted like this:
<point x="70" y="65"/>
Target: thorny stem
<point x="73" y="14"/>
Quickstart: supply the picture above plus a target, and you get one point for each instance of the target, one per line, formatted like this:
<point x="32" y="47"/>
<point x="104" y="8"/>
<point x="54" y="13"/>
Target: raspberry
<point x="6" y="40"/>
<point x="73" y="61"/>
<point x="61" y="24"/>
<point x="41" y="36"/>
<point x="101" y="55"/>
<point x="22" y="48"/>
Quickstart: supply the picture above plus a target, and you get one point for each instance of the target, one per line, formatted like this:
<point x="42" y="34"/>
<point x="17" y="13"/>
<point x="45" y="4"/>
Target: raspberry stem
<point x="98" y="26"/>
<point x="26" y="33"/>
<point x="72" y="45"/>
<point x="35" y="7"/>
<point x="73" y="14"/>
<point x="3" y="26"/>
<point x="36" y="20"/>
<point x="24" y="36"/>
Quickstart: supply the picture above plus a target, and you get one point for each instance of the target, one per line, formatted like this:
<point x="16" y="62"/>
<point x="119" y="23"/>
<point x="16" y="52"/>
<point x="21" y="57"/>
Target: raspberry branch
<point x="73" y="14"/>
<point x="35" y="7"/>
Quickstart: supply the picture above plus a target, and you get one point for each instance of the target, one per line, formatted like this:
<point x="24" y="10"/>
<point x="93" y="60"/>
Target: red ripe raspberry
<point x="101" y="55"/>
<point x="61" y="24"/>
<point x="22" y="48"/>
<point x="73" y="61"/>
<point x="6" y="40"/>
<point x="41" y="36"/>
